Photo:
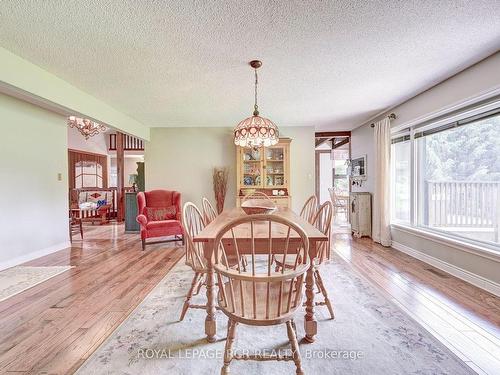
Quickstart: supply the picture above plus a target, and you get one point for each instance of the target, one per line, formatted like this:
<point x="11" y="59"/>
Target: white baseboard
<point x="34" y="255"/>
<point x="465" y="275"/>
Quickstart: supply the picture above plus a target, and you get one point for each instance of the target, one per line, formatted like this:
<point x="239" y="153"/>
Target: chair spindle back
<point x="259" y="293"/>
<point x="323" y="221"/>
<point x="209" y="213"/>
<point x="193" y="224"/>
<point x="309" y="209"/>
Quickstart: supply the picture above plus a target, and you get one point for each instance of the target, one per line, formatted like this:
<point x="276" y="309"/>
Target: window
<point x="340" y="169"/>
<point x="401" y="176"/>
<point x="88" y="174"/>
<point x="456" y="173"/>
<point x="87" y="170"/>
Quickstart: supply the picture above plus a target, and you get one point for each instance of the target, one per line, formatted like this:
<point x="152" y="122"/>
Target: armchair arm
<point x="142" y="219"/>
<point x="176" y="200"/>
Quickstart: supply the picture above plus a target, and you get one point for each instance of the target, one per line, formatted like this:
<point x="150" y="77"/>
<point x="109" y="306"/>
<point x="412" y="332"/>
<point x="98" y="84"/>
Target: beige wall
<point x="479" y="81"/>
<point x="183" y="158"/>
<point x="362" y="144"/>
<point x="23" y="79"/>
<point x="96" y="144"/>
<point x="34" y="204"/>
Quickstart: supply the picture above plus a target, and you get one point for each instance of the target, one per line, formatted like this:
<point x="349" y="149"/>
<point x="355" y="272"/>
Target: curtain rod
<point x="392" y="116"/>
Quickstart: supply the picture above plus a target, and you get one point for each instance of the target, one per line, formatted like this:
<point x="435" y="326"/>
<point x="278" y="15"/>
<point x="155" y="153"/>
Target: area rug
<point x="17" y="279"/>
<point x="370" y="335"/>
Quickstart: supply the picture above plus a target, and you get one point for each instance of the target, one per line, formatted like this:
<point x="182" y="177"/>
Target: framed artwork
<point x="358" y="167"/>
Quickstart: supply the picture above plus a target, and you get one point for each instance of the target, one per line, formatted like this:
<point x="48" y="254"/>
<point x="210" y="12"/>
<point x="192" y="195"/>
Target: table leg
<point x="310" y="323"/>
<point x="210" y="321"/>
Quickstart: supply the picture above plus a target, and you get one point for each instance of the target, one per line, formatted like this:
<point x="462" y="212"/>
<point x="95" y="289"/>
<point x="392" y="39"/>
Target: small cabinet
<point x="131" y="224"/>
<point x="360" y="214"/>
<point x="265" y="169"/>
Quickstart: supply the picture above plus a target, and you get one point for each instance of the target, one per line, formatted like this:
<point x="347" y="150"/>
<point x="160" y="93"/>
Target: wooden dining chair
<point x="193" y="223"/>
<point x="260" y="296"/>
<point x="209" y="212"/>
<point x="309" y="209"/>
<point x="323" y="221"/>
<point x="339" y="205"/>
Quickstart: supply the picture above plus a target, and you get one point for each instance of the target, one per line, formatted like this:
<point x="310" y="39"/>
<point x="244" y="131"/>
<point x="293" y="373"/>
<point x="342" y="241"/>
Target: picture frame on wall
<point x="358" y="168"/>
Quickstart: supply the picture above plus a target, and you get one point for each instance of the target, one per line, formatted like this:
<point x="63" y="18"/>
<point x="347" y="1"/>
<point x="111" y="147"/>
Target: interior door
<point x="324" y="175"/>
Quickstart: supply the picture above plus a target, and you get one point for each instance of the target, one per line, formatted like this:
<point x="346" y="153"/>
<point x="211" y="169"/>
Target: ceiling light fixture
<point x="256" y="131"/>
<point x="86" y="127"/>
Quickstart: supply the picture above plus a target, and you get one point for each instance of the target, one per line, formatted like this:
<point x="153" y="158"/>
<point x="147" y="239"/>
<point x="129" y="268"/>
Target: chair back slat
<point x="259" y="292"/>
<point x="193" y="224"/>
<point x="209" y="213"/>
<point x="323" y="221"/>
<point x="309" y="209"/>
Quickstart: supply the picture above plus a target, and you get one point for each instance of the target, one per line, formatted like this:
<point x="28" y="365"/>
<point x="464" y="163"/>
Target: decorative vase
<point x="220" y="186"/>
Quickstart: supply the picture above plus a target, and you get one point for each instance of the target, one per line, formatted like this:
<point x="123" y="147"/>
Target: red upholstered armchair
<point x="159" y="215"/>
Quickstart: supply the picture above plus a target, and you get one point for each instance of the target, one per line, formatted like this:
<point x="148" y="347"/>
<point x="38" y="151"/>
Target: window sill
<point x="483" y="251"/>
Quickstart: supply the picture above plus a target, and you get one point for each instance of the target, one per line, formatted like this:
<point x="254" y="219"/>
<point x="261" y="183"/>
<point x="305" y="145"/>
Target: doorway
<point x="333" y="152"/>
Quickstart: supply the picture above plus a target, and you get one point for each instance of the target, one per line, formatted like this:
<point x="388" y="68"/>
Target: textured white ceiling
<point x="329" y="64"/>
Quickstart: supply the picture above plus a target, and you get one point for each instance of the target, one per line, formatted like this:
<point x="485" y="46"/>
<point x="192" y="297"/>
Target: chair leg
<point x="228" y="350"/>
<point x="81" y="229"/>
<point x="143" y="245"/>
<point x="200" y="284"/>
<point x="244" y="263"/>
<point x="188" y="297"/>
<point x="321" y="286"/>
<point x="292" y="336"/>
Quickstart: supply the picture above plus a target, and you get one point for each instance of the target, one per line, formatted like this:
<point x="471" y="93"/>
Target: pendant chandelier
<point x="86" y="127"/>
<point x="256" y="131"/>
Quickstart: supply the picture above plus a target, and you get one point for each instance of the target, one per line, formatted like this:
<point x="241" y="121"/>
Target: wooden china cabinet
<point x="265" y="169"/>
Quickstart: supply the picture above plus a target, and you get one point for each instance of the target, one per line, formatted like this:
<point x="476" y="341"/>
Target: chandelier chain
<point x="256" y="107"/>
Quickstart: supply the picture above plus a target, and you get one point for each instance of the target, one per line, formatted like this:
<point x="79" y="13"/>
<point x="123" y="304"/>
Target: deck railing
<point x="463" y="204"/>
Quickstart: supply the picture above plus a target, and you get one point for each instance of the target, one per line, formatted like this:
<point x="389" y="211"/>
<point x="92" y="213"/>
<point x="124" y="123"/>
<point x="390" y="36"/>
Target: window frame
<point x="80" y="174"/>
<point x="402" y="136"/>
<point x="460" y="117"/>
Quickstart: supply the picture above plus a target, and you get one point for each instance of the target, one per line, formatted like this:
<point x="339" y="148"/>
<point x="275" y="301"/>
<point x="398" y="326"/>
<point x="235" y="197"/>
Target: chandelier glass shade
<point x="256" y="131"/>
<point x="86" y="127"/>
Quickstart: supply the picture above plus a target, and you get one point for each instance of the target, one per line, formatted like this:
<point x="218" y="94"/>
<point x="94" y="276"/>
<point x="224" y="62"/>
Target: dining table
<point x="208" y="236"/>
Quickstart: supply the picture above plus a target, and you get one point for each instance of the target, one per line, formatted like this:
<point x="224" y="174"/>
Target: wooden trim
<point x="341" y="143"/>
<point x="332" y="134"/>
<point x="87" y="153"/>
<point x="130" y="143"/>
<point x="320" y="141"/>
<point x="75" y="156"/>
<point x="120" y="181"/>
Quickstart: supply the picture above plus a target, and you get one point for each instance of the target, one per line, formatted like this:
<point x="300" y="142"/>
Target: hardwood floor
<point x="53" y="327"/>
<point x="463" y="317"/>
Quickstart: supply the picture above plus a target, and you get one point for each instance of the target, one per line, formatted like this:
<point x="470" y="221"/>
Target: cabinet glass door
<point x="252" y="167"/>
<point x="274" y="166"/>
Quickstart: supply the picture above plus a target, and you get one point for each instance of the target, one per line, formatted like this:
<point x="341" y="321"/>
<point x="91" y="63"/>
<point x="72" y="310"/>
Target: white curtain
<point x="381" y="196"/>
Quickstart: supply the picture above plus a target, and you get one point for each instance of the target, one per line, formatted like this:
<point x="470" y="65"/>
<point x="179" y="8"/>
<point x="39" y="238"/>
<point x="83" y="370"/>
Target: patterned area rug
<point x="370" y="335"/>
<point x="17" y="279"/>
